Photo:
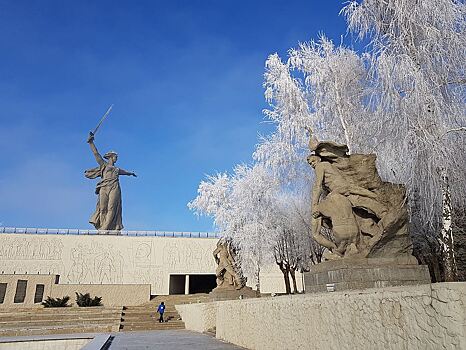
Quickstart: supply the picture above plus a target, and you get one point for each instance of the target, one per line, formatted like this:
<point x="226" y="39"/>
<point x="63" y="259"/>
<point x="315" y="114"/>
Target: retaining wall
<point x="431" y="316"/>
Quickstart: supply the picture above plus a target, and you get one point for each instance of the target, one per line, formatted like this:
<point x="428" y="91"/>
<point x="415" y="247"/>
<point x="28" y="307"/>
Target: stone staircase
<point x="67" y="320"/>
<point x="145" y="317"/>
<point x="42" y="321"/>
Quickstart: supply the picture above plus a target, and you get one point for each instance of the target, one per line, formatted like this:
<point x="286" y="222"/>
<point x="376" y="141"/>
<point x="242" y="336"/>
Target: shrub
<point x="56" y="302"/>
<point x="85" y="300"/>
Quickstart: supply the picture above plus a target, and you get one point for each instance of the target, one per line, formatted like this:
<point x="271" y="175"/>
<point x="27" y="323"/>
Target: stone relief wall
<point x="107" y="259"/>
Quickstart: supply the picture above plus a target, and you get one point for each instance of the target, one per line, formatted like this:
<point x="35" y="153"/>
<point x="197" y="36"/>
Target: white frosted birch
<point x="417" y="66"/>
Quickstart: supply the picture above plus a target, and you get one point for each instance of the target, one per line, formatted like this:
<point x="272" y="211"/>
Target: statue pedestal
<point x="230" y="293"/>
<point x="347" y="274"/>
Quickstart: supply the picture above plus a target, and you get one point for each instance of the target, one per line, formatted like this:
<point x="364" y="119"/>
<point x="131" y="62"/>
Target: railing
<point x="65" y="231"/>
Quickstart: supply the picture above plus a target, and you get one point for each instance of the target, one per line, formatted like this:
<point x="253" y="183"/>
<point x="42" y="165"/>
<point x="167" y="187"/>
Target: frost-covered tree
<point x="319" y="89"/>
<point x="265" y="208"/>
<point x="334" y="84"/>
<point x="264" y="224"/>
<point x="291" y="247"/>
<point x="416" y="97"/>
<point x="241" y="205"/>
<point x="403" y="99"/>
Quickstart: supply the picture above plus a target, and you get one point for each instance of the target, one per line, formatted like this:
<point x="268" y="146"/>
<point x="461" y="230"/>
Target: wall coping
<point x="84" y="232"/>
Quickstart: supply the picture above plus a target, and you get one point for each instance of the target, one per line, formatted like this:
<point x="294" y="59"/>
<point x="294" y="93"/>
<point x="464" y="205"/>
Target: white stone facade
<point x="107" y="259"/>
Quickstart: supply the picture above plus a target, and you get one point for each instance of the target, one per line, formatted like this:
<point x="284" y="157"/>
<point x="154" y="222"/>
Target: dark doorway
<point x="201" y="283"/>
<point x="2" y="292"/>
<point x="20" y="294"/>
<point x="39" y="295"/>
<point x="177" y="283"/>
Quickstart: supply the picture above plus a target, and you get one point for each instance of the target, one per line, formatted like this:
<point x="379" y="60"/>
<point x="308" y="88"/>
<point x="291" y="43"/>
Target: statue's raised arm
<point x="98" y="157"/>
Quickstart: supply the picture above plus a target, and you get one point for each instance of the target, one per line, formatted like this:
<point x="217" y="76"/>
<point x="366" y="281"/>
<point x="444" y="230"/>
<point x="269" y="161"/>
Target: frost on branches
<point x="403" y="99"/>
<point x="247" y="208"/>
<point x="417" y="93"/>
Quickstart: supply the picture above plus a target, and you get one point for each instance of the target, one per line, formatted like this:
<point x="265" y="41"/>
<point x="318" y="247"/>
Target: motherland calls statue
<point x="367" y="217"/>
<point x="226" y="271"/>
<point x="107" y="215"/>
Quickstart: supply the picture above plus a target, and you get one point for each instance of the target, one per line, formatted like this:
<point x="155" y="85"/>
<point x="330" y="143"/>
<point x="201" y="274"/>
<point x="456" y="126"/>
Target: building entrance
<point x="191" y="284"/>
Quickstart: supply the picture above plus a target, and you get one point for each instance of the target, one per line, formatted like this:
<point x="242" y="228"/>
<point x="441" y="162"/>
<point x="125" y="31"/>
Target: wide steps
<point x="65" y="318"/>
<point x="41" y="321"/>
<point x="151" y="326"/>
<point x="145" y="317"/>
<point x="58" y="311"/>
<point x="178" y="299"/>
<point x="166" y="315"/>
<point x="154" y="323"/>
<point x="38" y="321"/>
<point x="43" y="330"/>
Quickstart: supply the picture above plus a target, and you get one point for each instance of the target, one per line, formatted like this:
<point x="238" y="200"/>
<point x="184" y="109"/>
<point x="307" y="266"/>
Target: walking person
<point x="161" y="310"/>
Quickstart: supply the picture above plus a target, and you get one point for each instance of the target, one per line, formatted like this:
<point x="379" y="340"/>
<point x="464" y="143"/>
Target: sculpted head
<point x="111" y="156"/>
<point x="313" y="160"/>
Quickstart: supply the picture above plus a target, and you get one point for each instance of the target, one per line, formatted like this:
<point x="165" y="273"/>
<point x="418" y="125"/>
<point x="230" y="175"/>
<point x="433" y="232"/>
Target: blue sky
<point x="185" y="78"/>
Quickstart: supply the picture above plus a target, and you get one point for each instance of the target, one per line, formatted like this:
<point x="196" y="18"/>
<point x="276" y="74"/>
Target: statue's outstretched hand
<point x="90" y="138"/>
<point x="134" y="174"/>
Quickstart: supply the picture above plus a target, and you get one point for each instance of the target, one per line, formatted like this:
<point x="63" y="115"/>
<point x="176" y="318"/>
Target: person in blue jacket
<point x="161" y="310"/>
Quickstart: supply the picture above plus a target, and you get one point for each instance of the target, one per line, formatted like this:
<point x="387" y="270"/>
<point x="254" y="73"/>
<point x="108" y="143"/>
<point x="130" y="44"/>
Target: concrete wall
<point x="409" y="317"/>
<point x="55" y="344"/>
<point x="104" y="259"/>
<point x="32" y="280"/>
<point x="200" y="317"/>
<point x="272" y="280"/>
<point x="112" y="295"/>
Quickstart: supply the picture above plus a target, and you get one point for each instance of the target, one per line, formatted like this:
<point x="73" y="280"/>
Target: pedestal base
<point x="347" y="274"/>
<point x="227" y="293"/>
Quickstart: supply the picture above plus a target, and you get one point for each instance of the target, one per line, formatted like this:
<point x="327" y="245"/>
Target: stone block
<point x="362" y="274"/>
<point x="231" y="293"/>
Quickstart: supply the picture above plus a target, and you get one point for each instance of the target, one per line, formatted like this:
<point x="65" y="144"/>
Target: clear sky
<point x="185" y="78"/>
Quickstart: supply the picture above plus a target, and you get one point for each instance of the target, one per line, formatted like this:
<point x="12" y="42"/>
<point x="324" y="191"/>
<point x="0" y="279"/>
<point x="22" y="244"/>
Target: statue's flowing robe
<point x="108" y="213"/>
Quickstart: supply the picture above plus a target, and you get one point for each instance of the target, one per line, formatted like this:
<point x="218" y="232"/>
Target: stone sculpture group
<point x="366" y="217"/>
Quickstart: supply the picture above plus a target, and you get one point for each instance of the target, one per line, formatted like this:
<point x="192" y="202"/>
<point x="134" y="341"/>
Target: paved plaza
<point x="143" y="340"/>
<point x="167" y="340"/>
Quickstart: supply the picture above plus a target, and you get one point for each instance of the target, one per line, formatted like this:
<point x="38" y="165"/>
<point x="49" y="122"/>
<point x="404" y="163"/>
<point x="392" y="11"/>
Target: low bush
<point x="85" y="300"/>
<point x="56" y="302"/>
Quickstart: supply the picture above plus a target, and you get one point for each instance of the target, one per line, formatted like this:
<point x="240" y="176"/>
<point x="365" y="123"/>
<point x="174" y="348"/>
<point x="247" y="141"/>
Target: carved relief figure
<point x="107" y="215"/>
<point x="95" y="263"/>
<point x="78" y="269"/>
<point x="31" y="249"/>
<point x="172" y="256"/>
<point x="106" y="268"/>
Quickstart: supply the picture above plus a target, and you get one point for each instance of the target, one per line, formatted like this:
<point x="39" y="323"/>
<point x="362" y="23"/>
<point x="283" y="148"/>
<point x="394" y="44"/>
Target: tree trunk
<point x="258" y="281"/>
<point x="447" y="232"/>
<point x="293" y="278"/>
<point x="285" y="272"/>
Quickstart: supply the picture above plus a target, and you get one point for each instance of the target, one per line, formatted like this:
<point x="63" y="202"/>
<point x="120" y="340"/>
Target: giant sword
<point x="101" y="120"/>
